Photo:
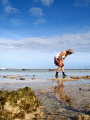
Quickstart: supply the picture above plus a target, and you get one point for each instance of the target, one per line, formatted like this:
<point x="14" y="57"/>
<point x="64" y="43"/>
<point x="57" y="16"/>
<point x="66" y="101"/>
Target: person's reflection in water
<point x="60" y="94"/>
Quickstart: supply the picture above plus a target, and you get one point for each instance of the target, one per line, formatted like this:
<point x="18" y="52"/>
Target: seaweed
<point x="16" y="104"/>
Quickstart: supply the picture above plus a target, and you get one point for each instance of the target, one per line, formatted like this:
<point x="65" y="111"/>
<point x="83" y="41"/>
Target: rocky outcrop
<point x="20" y="104"/>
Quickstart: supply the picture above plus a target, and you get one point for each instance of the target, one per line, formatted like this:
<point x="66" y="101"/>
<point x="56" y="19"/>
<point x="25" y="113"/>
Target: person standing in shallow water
<point x="59" y="60"/>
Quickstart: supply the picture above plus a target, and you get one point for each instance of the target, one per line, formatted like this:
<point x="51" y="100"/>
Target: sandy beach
<point x="61" y="103"/>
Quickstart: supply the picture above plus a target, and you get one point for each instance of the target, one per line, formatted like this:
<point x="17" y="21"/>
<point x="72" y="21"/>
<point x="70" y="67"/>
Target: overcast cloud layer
<point x="78" y="42"/>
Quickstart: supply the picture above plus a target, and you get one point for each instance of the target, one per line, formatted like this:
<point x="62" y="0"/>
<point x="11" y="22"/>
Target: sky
<point x="33" y="31"/>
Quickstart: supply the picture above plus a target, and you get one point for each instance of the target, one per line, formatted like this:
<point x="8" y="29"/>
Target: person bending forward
<point x="59" y="60"/>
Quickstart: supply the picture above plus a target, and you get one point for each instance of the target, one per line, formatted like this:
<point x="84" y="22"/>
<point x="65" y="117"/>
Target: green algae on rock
<point x="18" y="104"/>
<point x="83" y="117"/>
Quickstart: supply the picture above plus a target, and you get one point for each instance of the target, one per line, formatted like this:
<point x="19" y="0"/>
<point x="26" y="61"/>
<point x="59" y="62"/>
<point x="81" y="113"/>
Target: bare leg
<point x="63" y="69"/>
<point x="58" y="69"/>
<point x="57" y="72"/>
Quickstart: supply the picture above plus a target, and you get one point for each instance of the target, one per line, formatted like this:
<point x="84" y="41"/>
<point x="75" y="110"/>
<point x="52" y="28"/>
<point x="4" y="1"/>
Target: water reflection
<point x="60" y="94"/>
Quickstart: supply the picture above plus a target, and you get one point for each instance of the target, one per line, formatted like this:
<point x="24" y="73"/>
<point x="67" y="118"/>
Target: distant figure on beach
<point x="59" y="60"/>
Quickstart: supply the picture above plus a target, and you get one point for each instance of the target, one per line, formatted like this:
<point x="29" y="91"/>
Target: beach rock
<point x="5" y="76"/>
<point x="22" y="78"/>
<point x="83" y="117"/>
<point x="79" y="88"/>
<point x="80" y="77"/>
<point x="61" y="109"/>
<point x="42" y="92"/>
<point x="12" y="77"/>
<point x="88" y="106"/>
<point x="19" y="104"/>
<point x="75" y="77"/>
<point x="52" y="69"/>
<point x="87" y="76"/>
<point x="24" y="69"/>
<point x="32" y="78"/>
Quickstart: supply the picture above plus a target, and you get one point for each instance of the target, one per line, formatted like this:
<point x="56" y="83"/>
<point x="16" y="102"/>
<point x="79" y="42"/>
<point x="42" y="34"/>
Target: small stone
<point x="67" y="104"/>
<point x="58" y="103"/>
<point x="71" y="105"/>
<point x="88" y="106"/>
<point x="5" y="76"/>
<point x="61" y="109"/>
<point x="22" y="78"/>
<point x="42" y="113"/>
<point x="12" y="77"/>
<point x="79" y="88"/>
<point x="42" y="92"/>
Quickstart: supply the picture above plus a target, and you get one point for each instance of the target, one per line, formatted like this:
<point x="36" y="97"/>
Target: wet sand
<point x="65" y="103"/>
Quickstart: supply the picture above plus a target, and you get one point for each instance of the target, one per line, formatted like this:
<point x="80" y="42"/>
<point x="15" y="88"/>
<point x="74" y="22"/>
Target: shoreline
<point x="38" y="69"/>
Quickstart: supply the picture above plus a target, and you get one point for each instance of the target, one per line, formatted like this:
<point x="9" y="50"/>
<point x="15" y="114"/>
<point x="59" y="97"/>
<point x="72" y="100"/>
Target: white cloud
<point x="8" y="7"/>
<point x="47" y="2"/>
<point x="36" y="11"/>
<point x="82" y="3"/>
<point x="78" y="42"/>
<point x="40" y="21"/>
<point x="5" y="2"/>
<point x="14" y="54"/>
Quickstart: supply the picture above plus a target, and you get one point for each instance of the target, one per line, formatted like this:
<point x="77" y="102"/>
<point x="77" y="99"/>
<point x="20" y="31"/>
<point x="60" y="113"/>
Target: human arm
<point x="60" y="56"/>
<point x="61" y="59"/>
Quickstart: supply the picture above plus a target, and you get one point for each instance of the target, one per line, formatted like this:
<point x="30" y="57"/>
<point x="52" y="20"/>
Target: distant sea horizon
<point x="42" y="69"/>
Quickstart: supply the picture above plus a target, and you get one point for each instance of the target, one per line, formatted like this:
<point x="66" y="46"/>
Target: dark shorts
<point x="57" y="62"/>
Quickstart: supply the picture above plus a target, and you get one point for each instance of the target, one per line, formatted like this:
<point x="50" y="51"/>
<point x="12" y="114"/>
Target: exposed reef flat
<point x="72" y="78"/>
<point x="80" y="77"/>
<point x="65" y="79"/>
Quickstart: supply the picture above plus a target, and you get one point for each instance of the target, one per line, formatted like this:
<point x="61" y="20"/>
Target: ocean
<point x="41" y="74"/>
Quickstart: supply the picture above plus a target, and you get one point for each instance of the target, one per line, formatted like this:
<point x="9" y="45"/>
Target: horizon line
<point x="41" y="69"/>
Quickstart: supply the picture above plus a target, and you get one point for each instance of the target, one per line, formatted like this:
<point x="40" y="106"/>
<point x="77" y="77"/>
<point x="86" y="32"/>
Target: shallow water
<point x="57" y="106"/>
